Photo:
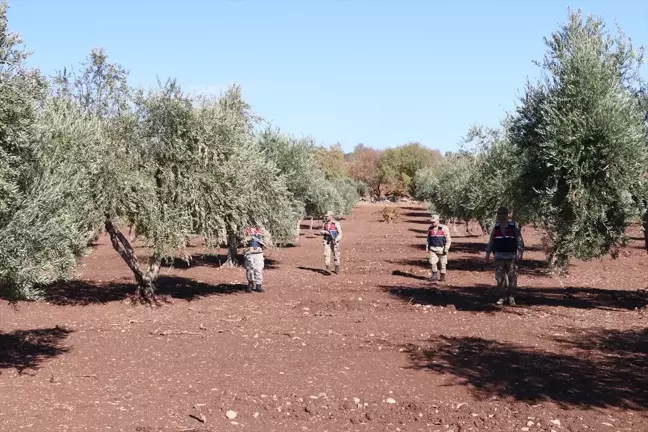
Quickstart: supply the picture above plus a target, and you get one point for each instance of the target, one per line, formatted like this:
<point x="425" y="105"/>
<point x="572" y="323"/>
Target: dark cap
<point x="502" y="211"/>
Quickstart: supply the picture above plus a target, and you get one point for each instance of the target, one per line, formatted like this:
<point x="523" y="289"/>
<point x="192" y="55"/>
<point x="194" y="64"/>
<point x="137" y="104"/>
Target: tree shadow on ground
<point x="82" y="293"/>
<point x="315" y="270"/>
<point x="27" y="349"/>
<point x="608" y="369"/>
<point x="482" y="298"/>
<point x="474" y="300"/>
<point x="412" y="208"/>
<point x="418" y="221"/>
<point x="214" y="261"/>
<point x="530" y="267"/>
<point x="418" y="214"/>
<point x="417" y="231"/>
<point x="409" y="275"/>
<point x="473" y="247"/>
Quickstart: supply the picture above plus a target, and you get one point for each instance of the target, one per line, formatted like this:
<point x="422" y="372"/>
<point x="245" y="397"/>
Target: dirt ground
<point x="377" y="348"/>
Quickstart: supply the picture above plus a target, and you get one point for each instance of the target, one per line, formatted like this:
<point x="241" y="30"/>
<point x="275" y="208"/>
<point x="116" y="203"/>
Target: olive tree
<point x="43" y="218"/>
<point x="581" y="139"/>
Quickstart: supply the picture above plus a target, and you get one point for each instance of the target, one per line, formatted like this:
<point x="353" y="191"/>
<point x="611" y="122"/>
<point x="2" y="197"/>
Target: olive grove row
<point x="83" y="152"/>
<point x="571" y="159"/>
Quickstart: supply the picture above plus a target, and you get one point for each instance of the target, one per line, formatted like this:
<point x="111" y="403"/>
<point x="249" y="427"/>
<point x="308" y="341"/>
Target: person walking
<point x="332" y="235"/>
<point x="437" y="246"/>
<point x="254" y="261"/>
<point x="507" y="244"/>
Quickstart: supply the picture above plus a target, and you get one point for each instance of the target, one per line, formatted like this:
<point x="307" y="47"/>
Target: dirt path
<point x="329" y="353"/>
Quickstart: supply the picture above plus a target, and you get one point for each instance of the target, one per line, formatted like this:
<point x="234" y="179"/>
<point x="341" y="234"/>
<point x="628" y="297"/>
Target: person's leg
<point x="511" y="272"/>
<point x="434" y="260"/>
<point x="336" y="257"/>
<point x="443" y="260"/>
<point x="249" y="272"/>
<point x="500" y="278"/>
<point x="259" y="264"/>
<point x="327" y="255"/>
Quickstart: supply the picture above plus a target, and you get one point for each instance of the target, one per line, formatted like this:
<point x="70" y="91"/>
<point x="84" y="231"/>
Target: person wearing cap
<point x="332" y="234"/>
<point x="254" y="262"/>
<point x="507" y="244"/>
<point x="437" y="246"/>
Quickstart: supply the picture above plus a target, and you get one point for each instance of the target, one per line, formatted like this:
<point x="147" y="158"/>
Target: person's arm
<point x="489" y="246"/>
<point x="448" y="238"/>
<point x="520" y="240"/>
<point x="339" y="229"/>
<point x="427" y="240"/>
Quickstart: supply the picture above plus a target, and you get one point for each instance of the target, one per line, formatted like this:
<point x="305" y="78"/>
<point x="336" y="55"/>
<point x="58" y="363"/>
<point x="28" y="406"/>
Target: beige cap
<point x="434" y="218"/>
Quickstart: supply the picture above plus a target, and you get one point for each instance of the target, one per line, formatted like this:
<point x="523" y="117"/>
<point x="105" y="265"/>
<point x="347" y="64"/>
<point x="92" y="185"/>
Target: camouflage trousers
<point x="506" y="276"/>
<point x="254" y="264"/>
<point x="332" y="248"/>
<point x="437" y="259"/>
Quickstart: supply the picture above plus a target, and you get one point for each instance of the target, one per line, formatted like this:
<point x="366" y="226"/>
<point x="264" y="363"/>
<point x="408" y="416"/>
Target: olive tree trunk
<point x="145" y="279"/>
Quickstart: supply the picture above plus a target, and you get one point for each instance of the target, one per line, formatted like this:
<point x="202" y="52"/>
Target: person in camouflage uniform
<point x="332" y="234"/>
<point x="437" y="245"/>
<point x="508" y="247"/>
<point x="254" y="261"/>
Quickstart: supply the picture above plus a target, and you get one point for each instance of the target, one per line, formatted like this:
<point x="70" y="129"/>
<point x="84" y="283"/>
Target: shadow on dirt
<point x="607" y="368"/>
<point x="214" y="261"/>
<point x="82" y="293"/>
<point x="418" y="221"/>
<point x="418" y="214"/>
<point x="417" y="231"/>
<point x="472" y="300"/>
<point x="27" y="349"/>
<point x="530" y="267"/>
<point x="315" y="270"/>
<point x="482" y="298"/>
<point x="409" y="275"/>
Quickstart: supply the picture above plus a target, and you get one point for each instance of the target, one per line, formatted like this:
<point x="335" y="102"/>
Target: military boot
<point x="435" y="276"/>
<point x="337" y="269"/>
<point x="259" y="288"/>
<point x="442" y="278"/>
<point x="511" y="300"/>
<point x="250" y="287"/>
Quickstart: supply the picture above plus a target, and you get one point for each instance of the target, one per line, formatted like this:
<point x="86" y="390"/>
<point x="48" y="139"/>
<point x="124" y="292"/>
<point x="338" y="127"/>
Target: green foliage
<point x="582" y="140"/>
<point x="399" y="165"/>
<point x="445" y="186"/>
<point x="297" y="161"/>
<point x="300" y="161"/>
<point x="21" y="90"/>
<point x="332" y="162"/>
<point x="492" y="181"/>
<point x="48" y="229"/>
<point x="347" y="190"/>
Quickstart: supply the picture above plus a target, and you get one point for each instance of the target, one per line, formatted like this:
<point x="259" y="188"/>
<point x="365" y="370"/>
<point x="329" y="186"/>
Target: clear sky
<point x="376" y="72"/>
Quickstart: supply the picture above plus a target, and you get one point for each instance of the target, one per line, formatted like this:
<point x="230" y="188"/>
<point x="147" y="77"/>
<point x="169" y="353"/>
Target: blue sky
<point x="376" y="72"/>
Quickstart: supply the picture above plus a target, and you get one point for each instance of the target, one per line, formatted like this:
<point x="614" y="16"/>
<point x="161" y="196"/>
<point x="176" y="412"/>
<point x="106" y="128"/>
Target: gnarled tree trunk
<point x="232" y="248"/>
<point x="145" y="280"/>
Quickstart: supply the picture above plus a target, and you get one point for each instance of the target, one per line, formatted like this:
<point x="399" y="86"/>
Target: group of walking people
<point x="505" y="244"/>
<point x="254" y="261"/>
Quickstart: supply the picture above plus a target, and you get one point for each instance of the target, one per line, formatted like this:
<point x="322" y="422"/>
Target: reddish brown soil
<point x="572" y="356"/>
